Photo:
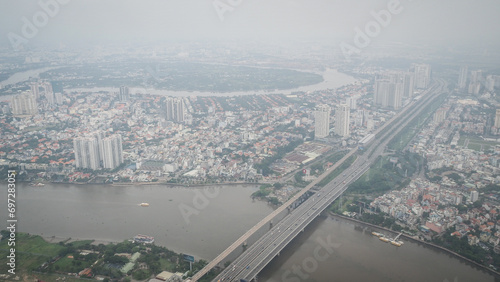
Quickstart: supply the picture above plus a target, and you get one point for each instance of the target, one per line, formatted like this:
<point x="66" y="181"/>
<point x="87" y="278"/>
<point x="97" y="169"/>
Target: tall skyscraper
<point x="95" y="151"/>
<point x="408" y="84"/>
<point x="35" y="90"/>
<point x="174" y="109"/>
<point x="422" y="74"/>
<point x="380" y="92"/>
<point x="322" y="121"/>
<point x="497" y="118"/>
<point x="490" y="82"/>
<point x="476" y="76"/>
<point x="124" y="94"/>
<point x="388" y="94"/>
<point x="59" y="98"/>
<point x="49" y="93"/>
<point x="342" y="120"/>
<point x="352" y="102"/>
<point x="24" y="104"/>
<point x="474" y="196"/>
<point x="112" y="151"/>
<point x="396" y="97"/>
<point x="99" y="136"/>
<point x="86" y="153"/>
<point x="462" y="77"/>
<point x="475" y="82"/>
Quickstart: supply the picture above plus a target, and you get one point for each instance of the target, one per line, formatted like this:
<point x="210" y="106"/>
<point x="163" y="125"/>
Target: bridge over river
<point x="259" y="254"/>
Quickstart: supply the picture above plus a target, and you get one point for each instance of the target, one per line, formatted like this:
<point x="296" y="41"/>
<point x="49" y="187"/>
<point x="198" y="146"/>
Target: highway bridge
<point x="259" y="254"/>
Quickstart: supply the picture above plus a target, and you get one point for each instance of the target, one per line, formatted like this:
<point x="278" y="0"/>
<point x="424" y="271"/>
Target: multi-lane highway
<point x="258" y="255"/>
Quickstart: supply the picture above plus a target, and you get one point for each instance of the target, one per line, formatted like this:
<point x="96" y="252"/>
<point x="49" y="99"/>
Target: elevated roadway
<point x="258" y="255"/>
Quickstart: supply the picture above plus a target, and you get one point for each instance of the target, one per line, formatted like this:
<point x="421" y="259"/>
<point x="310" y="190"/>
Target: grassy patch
<point x="336" y="157"/>
<point x="31" y="252"/>
<point x="80" y="244"/>
<point x="69" y="265"/>
<point x="337" y="171"/>
<point x="475" y="143"/>
<point x="167" y="265"/>
<point x="384" y="175"/>
<point x="54" y="277"/>
<point x="35" y="244"/>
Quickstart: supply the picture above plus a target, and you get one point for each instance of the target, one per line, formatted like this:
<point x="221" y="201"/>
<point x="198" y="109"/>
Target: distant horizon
<point x="59" y="23"/>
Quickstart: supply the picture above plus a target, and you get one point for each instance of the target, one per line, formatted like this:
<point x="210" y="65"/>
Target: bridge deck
<point x="254" y="259"/>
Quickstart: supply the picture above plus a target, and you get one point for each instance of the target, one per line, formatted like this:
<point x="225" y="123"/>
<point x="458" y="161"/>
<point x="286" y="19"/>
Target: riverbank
<point x="58" y="239"/>
<point x="184" y="219"/>
<point x="128" y="184"/>
<point x="184" y="185"/>
<point x="65" y="260"/>
<point x="332" y="79"/>
<point x="431" y="245"/>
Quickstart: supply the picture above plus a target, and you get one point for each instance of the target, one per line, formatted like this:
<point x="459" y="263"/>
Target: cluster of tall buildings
<point x="476" y="79"/>
<point x="95" y="151"/>
<point x="322" y="121"/>
<point x="27" y="103"/>
<point x="390" y="90"/>
<point x="388" y="93"/>
<point x="422" y="75"/>
<point x="44" y="90"/>
<point x="492" y="82"/>
<point x="174" y="109"/>
<point x="24" y="104"/>
<point x="476" y="82"/>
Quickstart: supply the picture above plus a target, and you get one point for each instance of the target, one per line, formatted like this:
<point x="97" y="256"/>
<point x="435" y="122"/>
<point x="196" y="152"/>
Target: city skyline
<point x="236" y="140"/>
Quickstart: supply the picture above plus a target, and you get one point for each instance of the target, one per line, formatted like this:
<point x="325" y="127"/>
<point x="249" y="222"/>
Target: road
<point x="258" y="255"/>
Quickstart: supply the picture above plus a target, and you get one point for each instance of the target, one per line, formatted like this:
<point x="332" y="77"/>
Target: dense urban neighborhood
<point x="437" y="180"/>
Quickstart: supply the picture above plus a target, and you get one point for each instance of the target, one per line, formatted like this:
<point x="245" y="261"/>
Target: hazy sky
<point x="453" y="22"/>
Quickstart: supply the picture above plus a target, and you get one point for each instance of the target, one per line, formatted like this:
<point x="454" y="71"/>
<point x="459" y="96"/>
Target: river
<point x="332" y="79"/>
<point x="359" y="256"/>
<point x="21" y="77"/>
<point x="214" y="218"/>
<point x="24" y="76"/>
<point x="199" y="222"/>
